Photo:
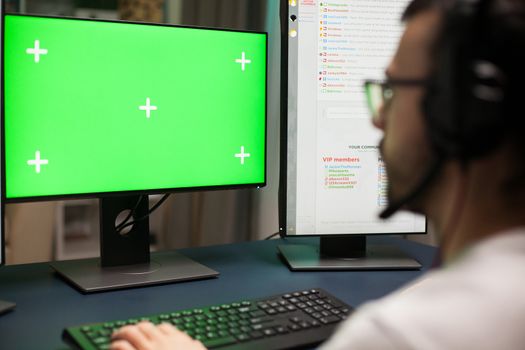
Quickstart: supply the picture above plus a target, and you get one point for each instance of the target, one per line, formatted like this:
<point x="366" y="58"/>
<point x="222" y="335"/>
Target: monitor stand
<point x="345" y="253"/>
<point x="125" y="259"/>
<point x="6" y="306"/>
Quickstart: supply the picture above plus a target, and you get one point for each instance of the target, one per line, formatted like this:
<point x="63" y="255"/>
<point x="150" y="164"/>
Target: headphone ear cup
<point x="483" y="108"/>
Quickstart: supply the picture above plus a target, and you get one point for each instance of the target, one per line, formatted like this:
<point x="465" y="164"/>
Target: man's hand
<point x="146" y="336"/>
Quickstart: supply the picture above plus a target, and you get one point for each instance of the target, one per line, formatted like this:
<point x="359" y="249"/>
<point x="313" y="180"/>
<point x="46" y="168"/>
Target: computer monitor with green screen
<point x="119" y="110"/>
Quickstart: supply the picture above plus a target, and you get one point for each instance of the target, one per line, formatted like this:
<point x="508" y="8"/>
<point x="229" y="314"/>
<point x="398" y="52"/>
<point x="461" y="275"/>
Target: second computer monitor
<point x="333" y="180"/>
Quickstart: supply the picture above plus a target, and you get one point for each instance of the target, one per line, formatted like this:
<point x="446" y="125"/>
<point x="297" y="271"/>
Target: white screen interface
<point x="336" y="182"/>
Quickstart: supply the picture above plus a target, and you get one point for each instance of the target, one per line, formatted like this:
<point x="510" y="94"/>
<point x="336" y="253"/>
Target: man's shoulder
<point x="456" y="307"/>
<point x="466" y="301"/>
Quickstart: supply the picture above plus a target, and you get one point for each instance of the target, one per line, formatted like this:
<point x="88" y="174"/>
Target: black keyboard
<point x="291" y="320"/>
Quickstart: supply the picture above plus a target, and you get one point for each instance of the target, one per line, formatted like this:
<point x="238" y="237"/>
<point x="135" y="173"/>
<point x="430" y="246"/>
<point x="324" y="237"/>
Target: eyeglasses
<point x="379" y="94"/>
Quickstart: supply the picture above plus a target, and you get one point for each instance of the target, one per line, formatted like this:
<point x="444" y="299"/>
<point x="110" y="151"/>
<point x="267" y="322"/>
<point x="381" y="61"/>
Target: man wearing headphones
<point x="454" y="147"/>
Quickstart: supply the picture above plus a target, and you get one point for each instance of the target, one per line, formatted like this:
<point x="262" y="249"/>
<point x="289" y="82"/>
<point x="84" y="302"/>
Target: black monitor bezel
<point x="284" y="15"/>
<point x="2" y="204"/>
<point x="153" y="191"/>
<point x="2" y="233"/>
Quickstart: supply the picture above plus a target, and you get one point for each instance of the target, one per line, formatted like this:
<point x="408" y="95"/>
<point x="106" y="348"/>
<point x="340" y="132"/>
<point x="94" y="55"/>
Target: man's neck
<point x="470" y="205"/>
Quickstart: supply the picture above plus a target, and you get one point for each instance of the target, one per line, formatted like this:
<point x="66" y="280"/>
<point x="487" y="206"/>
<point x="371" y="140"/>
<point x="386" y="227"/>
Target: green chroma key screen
<point x="95" y="107"/>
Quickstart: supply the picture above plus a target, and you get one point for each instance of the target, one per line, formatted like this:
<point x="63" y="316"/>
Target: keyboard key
<point x="101" y="340"/>
<point x="315" y="323"/>
<point x="243" y="337"/>
<point x="294" y="327"/>
<point x="305" y="324"/>
<point x="234" y="331"/>
<point x="233" y="318"/>
<point x="91" y="335"/>
<point x="281" y="309"/>
<point x="213" y="343"/>
<point x="258" y="313"/>
<point x="269" y="332"/>
<point x="317" y="315"/>
<point x="281" y="330"/>
<point x="330" y="319"/>
<point x="257" y="327"/>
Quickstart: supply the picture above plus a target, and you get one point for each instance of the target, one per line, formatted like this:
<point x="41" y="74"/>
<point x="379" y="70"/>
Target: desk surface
<point x="45" y="303"/>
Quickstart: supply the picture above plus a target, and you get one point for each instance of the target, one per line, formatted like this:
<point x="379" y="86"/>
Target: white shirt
<point x="477" y="302"/>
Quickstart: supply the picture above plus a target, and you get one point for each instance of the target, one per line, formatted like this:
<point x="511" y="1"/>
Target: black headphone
<point x="464" y="103"/>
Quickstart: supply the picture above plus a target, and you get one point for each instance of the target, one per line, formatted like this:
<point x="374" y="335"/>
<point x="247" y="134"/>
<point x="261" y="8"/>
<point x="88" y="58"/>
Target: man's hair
<point x="504" y="29"/>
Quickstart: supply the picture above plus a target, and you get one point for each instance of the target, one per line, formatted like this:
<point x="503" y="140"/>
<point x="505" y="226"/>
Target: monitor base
<point x="378" y="257"/>
<point x="88" y="276"/>
<point x="6" y="306"/>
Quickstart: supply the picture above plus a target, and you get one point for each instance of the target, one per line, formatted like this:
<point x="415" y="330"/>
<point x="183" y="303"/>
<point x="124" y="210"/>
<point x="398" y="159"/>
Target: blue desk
<point x="45" y="303"/>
